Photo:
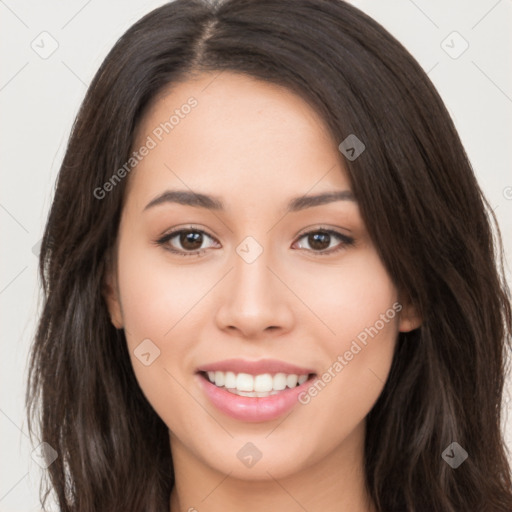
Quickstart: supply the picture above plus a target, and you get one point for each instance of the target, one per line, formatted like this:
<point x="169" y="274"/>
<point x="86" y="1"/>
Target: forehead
<point x="227" y="132"/>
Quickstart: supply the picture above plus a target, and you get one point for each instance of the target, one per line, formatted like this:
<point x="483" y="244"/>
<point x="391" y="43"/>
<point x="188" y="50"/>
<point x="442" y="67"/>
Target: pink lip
<point x="252" y="409"/>
<point x="259" y="367"/>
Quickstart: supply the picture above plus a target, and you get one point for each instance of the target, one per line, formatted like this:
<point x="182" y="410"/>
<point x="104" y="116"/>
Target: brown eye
<point x="185" y="242"/>
<point x="190" y="240"/>
<point x="319" y="241"/>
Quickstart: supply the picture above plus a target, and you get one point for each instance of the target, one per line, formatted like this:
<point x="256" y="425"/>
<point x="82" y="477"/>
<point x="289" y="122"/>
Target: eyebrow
<point x="199" y="200"/>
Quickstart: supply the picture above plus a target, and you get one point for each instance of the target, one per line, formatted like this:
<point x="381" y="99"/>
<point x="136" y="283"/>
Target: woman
<point x="277" y="286"/>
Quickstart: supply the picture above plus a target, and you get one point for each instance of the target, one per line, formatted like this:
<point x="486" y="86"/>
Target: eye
<point x="190" y="240"/>
<point x="319" y="241"/>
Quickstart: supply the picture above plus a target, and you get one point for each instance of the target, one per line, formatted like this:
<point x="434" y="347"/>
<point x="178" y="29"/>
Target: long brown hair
<point x="422" y="207"/>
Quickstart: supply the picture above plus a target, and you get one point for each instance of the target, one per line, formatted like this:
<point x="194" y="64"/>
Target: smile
<point x="254" y="391"/>
<point x="263" y="385"/>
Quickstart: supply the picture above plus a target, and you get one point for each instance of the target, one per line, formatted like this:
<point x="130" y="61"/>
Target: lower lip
<point x="253" y="409"/>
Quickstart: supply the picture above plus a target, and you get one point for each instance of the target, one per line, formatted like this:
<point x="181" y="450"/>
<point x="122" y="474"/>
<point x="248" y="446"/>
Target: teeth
<point x="263" y="382"/>
<point x="280" y="381"/>
<point x="219" y="379"/>
<point x="244" y="384"/>
<point x="302" y="379"/>
<point x="291" y="381"/>
<point x="230" y="380"/>
<point x="252" y="393"/>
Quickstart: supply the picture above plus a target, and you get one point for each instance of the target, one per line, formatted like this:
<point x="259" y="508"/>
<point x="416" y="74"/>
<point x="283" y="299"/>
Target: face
<point x="250" y="289"/>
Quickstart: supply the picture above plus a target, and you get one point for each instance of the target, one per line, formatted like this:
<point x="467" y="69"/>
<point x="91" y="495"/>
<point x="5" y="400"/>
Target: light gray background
<point x="39" y="99"/>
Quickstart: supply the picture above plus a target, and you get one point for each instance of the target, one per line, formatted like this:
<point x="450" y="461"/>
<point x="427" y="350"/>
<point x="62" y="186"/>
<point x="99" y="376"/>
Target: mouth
<point x="254" y="391"/>
<point x="255" y="386"/>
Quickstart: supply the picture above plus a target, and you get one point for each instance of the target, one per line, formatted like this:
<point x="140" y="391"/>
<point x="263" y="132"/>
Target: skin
<point x="255" y="145"/>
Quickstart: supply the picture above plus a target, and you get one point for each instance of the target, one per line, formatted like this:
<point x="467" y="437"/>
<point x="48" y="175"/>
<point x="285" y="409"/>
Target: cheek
<point x="154" y="300"/>
<point x="348" y="388"/>
<point x="362" y="311"/>
<point x="158" y="301"/>
<point x="347" y="297"/>
<point x="356" y="374"/>
<point x="155" y="294"/>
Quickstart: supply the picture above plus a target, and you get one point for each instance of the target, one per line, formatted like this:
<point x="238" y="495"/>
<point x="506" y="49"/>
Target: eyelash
<point x="346" y="241"/>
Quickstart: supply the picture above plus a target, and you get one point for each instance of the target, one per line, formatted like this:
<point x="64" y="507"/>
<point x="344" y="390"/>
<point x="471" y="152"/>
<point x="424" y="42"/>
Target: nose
<point x="255" y="299"/>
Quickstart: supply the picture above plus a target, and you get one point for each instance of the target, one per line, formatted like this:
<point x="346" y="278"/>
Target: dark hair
<point x="423" y="210"/>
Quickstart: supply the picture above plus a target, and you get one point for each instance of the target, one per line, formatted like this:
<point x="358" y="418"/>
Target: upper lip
<point x="258" y="367"/>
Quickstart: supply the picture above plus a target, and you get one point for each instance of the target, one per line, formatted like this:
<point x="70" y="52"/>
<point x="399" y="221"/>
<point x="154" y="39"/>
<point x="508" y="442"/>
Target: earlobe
<point x="111" y="295"/>
<point x="410" y="318"/>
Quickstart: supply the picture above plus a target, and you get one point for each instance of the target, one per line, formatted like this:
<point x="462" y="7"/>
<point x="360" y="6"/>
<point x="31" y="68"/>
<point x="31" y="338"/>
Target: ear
<point x="110" y="292"/>
<point x="410" y="318"/>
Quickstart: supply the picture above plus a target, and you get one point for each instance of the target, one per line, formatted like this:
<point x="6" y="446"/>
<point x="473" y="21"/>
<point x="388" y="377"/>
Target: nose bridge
<point x="251" y="274"/>
<point x="256" y="299"/>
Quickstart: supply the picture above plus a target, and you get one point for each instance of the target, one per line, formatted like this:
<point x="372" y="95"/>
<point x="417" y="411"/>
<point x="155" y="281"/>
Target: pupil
<point x="191" y="240"/>
<point x="315" y="240"/>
